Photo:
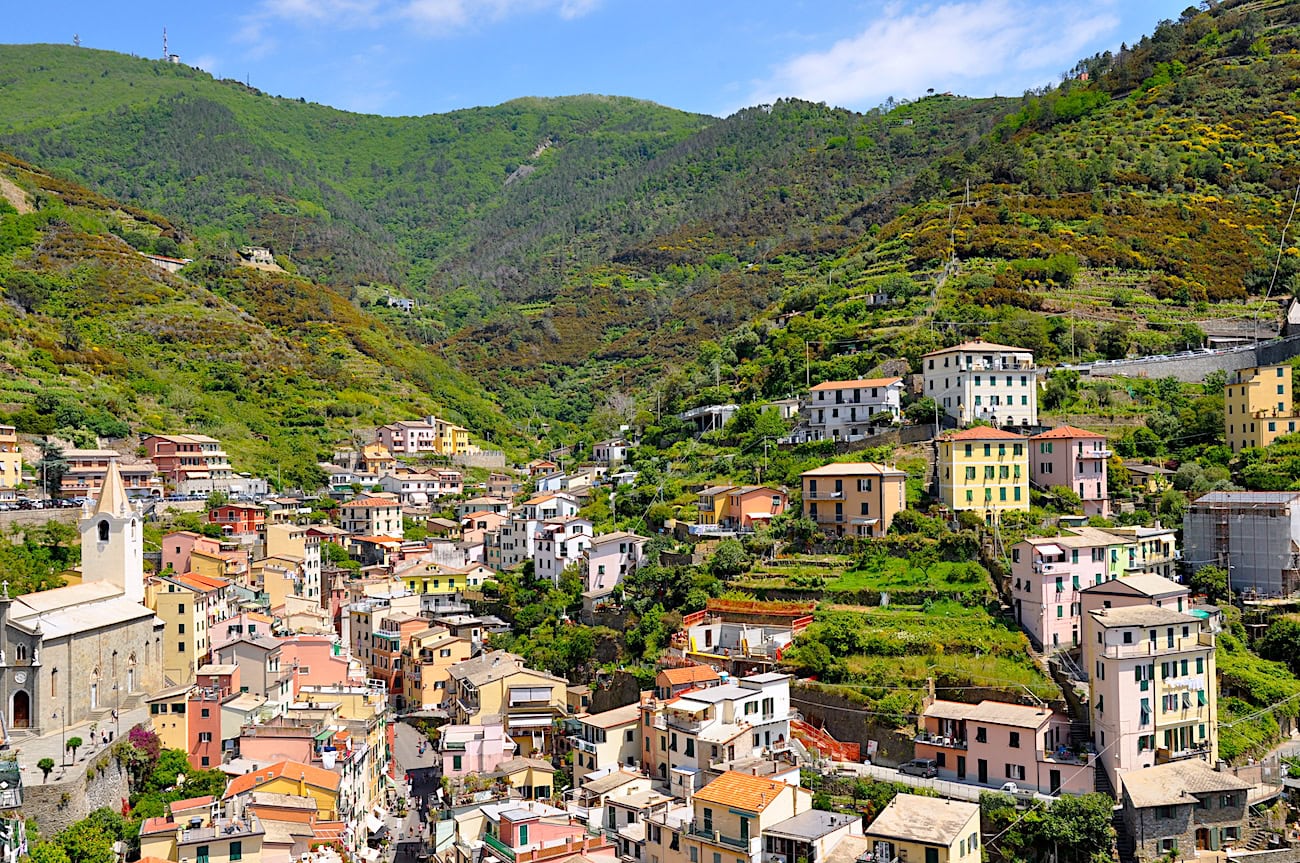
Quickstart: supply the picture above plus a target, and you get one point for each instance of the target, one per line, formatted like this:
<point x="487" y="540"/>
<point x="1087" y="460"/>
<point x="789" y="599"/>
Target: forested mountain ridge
<point x="95" y="340"/>
<point x="570" y="248"/>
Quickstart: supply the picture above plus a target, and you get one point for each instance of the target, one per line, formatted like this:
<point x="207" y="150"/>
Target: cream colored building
<point x="728" y="817"/>
<point x="497" y="686"/>
<point x="605" y="740"/>
<point x="929" y="829"/>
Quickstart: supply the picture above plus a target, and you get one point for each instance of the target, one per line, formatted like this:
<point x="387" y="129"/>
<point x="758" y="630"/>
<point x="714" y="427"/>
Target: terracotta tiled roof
<point x="291" y="770"/>
<point x="372" y="502"/>
<point x="984" y="433"/>
<point x="865" y="382"/>
<point x="978" y="345"/>
<point x="689" y="674"/>
<point x="1066" y="432"/>
<point x="741" y="791"/>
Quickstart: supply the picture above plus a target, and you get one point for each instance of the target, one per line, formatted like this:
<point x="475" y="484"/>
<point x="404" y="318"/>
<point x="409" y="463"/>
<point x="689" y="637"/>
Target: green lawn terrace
<point x="867" y="581"/>
<point x="884" y="658"/>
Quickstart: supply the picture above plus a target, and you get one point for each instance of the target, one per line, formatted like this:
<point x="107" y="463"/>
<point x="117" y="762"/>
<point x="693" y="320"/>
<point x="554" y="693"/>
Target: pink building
<point x="237" y="626"/>
<point x="179" y="545"/>
<point x="320" y="661"/>
<point x="474" y="749"/>
<point x="611" y="558"/>
<point x="1047" y="574"/>
<point x="994" y="742"/>
<point x="1076" y="459"/>
<point x="754" y="506"/>
<point x="279" y="739"/>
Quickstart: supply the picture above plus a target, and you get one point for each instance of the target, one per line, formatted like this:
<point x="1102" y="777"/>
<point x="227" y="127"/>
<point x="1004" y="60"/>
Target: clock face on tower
<point x="20" y="678"/>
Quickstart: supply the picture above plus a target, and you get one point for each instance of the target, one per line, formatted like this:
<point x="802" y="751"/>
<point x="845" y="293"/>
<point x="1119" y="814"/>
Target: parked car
<point x="924" y="767"/>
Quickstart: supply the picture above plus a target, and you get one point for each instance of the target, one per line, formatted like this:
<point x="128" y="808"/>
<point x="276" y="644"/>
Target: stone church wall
<point x="100" y="781"/>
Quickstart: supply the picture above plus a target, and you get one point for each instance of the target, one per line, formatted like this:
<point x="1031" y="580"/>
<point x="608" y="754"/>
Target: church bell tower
<point x="112" y="539"/>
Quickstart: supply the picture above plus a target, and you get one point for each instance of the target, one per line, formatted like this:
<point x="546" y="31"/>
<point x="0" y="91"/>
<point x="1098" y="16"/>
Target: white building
<point x="560" y="544"/>
<point x="417" y="488"/>
<point x="982" y="381"/>
<point x="518" y="535"/>
<point x="610" y="451"/>
<point x="842" y="410"/>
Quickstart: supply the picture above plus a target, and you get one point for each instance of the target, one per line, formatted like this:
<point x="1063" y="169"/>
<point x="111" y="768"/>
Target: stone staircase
<point x="1125" y="846"/>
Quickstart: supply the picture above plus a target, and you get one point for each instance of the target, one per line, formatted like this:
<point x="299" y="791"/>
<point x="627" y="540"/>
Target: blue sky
<point x="712" y="56"/>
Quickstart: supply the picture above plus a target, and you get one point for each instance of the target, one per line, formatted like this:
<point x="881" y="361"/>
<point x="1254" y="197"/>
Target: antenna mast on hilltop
<point x="164" y="43"/>
<point x="76" y="39"/>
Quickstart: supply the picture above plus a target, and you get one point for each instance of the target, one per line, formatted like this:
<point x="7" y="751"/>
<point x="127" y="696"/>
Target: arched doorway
<point x="22" y="710"/>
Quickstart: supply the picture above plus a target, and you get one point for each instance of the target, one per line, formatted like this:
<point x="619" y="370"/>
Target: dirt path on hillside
<point x="14" y="195"/>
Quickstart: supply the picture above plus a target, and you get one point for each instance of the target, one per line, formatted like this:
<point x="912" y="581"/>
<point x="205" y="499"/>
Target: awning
<point x="373" y="824"/>
<point x="1050" y="549"/>
<point x="757" y="515"/>
<point x="529" y="721"/>
<point x="370" y="855"/>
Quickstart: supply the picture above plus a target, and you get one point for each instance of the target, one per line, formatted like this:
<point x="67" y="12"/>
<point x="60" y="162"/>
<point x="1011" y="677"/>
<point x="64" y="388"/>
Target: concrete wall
<point x="1195" y="368"/>
<point x="97" y="782"/>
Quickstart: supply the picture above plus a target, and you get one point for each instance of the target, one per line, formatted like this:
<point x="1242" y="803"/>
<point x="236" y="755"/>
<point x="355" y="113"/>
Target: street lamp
<point x="63" y="750"/>
<point x="117" y="712"/>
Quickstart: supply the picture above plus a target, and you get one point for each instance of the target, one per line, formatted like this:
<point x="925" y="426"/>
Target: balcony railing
<point x="684" y="724"/>
<point x="1095" y="453"/>
<point x="498" y="846"/>
<point x="824" y="495"/>
<point x="582" y="745"/>
<point x="946" y="741"/>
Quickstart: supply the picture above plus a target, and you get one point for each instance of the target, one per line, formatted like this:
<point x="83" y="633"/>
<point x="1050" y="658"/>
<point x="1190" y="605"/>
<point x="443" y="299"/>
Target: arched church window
<point x="20" y="652"/>
<point x="103" y="531"/>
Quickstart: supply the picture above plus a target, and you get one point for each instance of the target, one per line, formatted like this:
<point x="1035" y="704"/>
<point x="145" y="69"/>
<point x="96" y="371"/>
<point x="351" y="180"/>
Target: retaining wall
<point x="97" y="782"/>
<point x="1194" y="368"/>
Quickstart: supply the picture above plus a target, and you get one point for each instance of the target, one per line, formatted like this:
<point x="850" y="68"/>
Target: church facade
<point x="75" y="654"/>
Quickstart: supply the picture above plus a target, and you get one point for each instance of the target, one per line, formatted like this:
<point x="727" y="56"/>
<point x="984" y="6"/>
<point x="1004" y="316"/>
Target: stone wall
<point x="97" y="782"/>
<point x="483" y="458"/>
<point x="847" y="722"/>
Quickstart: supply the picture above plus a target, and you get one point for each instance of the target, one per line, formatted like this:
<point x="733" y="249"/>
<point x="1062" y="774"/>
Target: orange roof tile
<point x="191" y="803"/>
<point x="204" y="583"/>
<point x="865" y="382"/>
<point x="372" y="502"/>
<point x="156" y="825"/>
<point x="291" y="770"/>
<point x="1066" y="432"/>
<point x="984" y="433"/>
<point x="741" y="791"/>
<point x="689" y="674"/>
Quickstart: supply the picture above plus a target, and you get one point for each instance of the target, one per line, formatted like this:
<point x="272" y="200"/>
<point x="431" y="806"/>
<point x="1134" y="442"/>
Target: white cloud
<point x="960" y="46"/>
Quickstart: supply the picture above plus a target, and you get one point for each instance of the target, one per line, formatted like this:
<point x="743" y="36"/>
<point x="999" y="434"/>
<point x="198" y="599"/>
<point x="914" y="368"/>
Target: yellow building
<point x="168" y="716"/>
<point x="712" y="504"/>
<point x="984" y="470"/>
<point x="929" y="829"/>
<point x="498" y="684"/>
<point x="186" y="605"/>
<point x="427" y="660"/>
<point x="731" y="813"/>
<point x="435" y="578"/>
<point x="1257" y="407"/>
<point x="376" y="459"/>
<point x="533" y="778"/>
<point x="195" y="830"/>
<point x="11" y="463"/>
<point x="295" y="779"/>
<point x="450" y="439"/>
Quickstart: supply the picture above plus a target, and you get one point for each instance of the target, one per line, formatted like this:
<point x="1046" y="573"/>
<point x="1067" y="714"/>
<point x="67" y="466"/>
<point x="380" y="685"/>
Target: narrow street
<point x="409" y="834"/>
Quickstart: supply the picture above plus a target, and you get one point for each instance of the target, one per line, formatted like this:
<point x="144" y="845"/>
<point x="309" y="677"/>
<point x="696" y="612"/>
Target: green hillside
<point x="569" y="251"/>
<point x="96" y="340"/>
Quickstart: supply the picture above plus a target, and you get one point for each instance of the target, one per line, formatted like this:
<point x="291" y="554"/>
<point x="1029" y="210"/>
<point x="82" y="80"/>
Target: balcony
<point x="1090" y="454"/>
<point x="498" y="847"/>
<point x="945" y="741"/>
<point x="823" y="495"/>
<point x="682" y="723"/>
<point x="1065" y="756"/>
<point x="1125" y="651"/>
<point x="582" y="745"/>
